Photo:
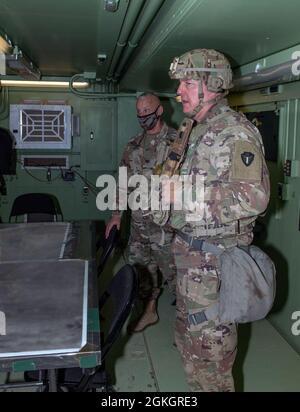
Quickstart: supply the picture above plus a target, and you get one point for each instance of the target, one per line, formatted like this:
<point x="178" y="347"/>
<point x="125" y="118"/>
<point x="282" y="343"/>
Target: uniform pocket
<point x="219" y="344"/>
<point x="202" y="290"/>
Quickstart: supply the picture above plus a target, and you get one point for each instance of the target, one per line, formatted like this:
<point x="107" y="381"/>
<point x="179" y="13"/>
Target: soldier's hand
<point x="114" y="221"/>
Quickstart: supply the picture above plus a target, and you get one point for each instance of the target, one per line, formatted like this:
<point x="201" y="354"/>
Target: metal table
<point x="48" y="293"/>
<point x="31" y="241"/>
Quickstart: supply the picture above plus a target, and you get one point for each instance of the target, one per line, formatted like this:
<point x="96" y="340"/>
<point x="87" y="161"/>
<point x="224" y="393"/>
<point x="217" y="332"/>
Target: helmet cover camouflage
<point x="203" y="64"/>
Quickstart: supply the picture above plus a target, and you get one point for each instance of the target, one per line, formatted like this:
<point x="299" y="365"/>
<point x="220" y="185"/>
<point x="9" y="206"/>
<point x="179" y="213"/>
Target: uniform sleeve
<point x="237" y="185"/>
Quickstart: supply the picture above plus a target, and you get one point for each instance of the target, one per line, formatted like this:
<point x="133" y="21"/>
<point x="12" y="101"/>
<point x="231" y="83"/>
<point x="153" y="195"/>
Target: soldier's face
<point x="189" y="93"/>
<point x="148" y="111"/>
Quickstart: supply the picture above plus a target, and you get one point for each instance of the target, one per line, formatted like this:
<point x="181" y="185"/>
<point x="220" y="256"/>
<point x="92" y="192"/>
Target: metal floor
<point x="149" y="362"/>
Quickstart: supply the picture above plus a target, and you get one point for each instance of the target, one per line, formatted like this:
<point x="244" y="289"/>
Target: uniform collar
<point x="160" y="134"/>
<point x="220" y="107"/>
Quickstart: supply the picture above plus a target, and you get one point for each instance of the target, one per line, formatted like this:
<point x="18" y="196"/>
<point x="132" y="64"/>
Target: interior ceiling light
<point x="21" y="65"/>
<point x="111" y="5"/>
<point x="42" y="84"/>
<point x="5" y="45"/>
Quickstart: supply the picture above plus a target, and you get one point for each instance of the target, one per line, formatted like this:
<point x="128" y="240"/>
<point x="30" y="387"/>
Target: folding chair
<point x="39" y="207"/>
<point x="107" y="245"/>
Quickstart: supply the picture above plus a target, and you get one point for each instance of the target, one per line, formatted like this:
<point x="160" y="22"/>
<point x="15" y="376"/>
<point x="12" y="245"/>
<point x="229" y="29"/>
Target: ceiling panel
<point x="244" y="30"/>
<point x="63" y="37"/>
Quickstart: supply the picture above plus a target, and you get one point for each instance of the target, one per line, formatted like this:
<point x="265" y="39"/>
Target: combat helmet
<point x="203" y="64"/>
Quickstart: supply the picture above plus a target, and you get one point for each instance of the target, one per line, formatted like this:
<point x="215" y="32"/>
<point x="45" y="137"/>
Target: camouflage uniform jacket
<point x="143" y="153"/>
<point x="227" y="150"/>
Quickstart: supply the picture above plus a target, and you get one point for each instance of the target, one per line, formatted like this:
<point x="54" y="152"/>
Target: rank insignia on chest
<point x="247" y="158"/>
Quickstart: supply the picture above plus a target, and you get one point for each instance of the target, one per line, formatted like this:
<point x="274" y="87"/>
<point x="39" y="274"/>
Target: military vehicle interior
<point x="81" y="65"/>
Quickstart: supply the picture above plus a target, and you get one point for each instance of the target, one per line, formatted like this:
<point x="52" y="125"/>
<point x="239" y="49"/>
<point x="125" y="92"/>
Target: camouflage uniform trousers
<point x="208" y="350"/>
<point x="145" y="252"/>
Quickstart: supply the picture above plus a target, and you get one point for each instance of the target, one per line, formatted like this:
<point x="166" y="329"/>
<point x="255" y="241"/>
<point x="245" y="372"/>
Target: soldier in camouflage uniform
<point x="227" y="150"/>
<point x="149" y="247"/>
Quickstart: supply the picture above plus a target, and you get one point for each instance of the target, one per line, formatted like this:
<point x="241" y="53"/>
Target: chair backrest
<point x="35" y="203"/>
<point x="107" y="246"/>
<point x="120" y="296"/>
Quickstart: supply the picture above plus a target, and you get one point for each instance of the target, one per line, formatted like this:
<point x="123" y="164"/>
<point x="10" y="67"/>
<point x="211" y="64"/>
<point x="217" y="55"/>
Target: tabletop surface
<point x="48" y="293"/>
<point x="30" y="241"/>
<point x="46" y="313"/>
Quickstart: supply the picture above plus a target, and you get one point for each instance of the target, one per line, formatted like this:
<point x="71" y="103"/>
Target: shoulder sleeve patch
<point x="247" y="162"/>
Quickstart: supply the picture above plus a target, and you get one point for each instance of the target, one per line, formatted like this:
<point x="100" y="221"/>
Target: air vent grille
<point x="41" y="126"/>
<point x="41" y="162"/>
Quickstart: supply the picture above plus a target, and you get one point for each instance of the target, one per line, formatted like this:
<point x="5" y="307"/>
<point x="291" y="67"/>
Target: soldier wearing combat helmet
<point x="227" y="151"/>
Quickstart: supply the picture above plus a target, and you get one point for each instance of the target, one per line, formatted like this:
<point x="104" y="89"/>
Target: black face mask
<point x="149" y="121"/>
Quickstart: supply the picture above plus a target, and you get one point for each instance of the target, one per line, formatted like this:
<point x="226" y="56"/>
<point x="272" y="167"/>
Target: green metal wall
<point x="94" y="156"/>
<point x="113" y="123"/>
<point x="282" y="237"/>
<point x="283" y="224"/>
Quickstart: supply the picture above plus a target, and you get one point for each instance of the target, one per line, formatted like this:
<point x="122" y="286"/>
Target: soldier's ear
<point x="160" y="110"/>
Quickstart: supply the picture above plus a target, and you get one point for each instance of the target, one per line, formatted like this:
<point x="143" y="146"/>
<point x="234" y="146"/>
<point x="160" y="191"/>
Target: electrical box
<point x="295" y="168"/>
<point x="291" y="168"/>
<point x="284" y="191"/>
